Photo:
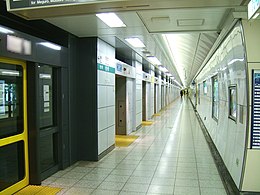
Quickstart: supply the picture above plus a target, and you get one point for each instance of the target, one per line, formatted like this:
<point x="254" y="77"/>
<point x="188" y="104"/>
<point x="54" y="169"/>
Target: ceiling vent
<point x="146" y="52"/>
<point x="161" y="19"/>
<point x="111" y="8"/>
<point x="190" y="22"/>
<point x="137" y="6"/>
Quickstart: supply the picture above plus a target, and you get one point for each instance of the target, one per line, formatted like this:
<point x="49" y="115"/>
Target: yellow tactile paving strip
<point x="38" y="190"/>
<point x="157" y="114"/>
<point x="125" y="140"/>
<point x="147" y="123"/>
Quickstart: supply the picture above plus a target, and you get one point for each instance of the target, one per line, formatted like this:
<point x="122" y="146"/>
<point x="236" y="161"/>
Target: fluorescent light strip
<point x="135" y="42"/>
<point x="256" y="15"/>
<point x="11" y="73"/>
<point x="235" y="60"/>
<point x="163" y="69"/>
<point x="51" y="45"/>
<point x="5" y="30"/>
<point x="45" y="76"/>
<point x="168" y="74"/>
<point x="154" y="60"/>
<point x="111" y="19"/>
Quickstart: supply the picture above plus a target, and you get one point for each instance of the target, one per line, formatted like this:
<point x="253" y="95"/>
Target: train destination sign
<point x="255" y="127"/>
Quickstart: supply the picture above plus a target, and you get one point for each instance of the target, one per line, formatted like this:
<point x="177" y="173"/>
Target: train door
<point x="121" y="123"/>
<point x="162" y="97"/>
<point x="166" y="95"/>
<point x="14" y="173"/>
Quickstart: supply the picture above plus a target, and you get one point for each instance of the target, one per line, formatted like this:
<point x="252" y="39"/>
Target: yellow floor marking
<point x="157" y="114"/>
<point x="125" y="140"/>
<point x="147" y="123"/>
<point x="38" y="190"/>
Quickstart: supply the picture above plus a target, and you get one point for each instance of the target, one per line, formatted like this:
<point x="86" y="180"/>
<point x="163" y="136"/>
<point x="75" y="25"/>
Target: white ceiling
<point x="192" y="31"/>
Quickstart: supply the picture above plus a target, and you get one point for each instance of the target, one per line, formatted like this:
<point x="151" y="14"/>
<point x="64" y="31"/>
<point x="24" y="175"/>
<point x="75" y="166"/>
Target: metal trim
<point x="248" y="103"/>
<point x="229" y="103"/>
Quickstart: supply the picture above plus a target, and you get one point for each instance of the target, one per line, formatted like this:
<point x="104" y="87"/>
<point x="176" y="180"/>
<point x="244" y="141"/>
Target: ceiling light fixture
<point x="111" y="19"/>
<point x="51" y="45"/>
<point x="10" y="72"/>
<point x="256" y="15"/>
<point x="163" y="69"/>
<point x="154" y="60"/>
<point x="174" y="44"/>
<point x="5" y="30"/>
<point x="135" y="42"/>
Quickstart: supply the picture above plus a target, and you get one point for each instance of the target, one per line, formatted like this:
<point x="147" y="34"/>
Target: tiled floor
<point x="169" y="157"/>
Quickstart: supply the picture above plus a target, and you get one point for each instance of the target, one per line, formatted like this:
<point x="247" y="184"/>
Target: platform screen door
<point x="13" y="126"/>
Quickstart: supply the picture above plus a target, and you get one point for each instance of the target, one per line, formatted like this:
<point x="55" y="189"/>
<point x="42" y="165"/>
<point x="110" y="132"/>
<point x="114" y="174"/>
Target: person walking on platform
<point x="181" y="93"/>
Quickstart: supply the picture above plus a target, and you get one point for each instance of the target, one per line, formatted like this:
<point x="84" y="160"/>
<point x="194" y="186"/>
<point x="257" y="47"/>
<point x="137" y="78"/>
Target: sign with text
<point x="255" y="127"/>
<point x="252" y="8"/>
<point x="105" y="68"/>
<point x="124" y="69"/>
<point x="20" y="4"/>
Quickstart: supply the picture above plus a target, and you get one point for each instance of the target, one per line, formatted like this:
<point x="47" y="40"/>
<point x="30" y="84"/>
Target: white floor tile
<point x="213" y="191"/>
<point x="106" y="192"/>
<point x="186" y="183"/>
<point x="169" y="157"/>
<point x="156" y="189"/>
<point x="186" y="191"/>
<point x="139" y="180"/>
<point x="78" y="191"/>
<point x="117" y="178"/>
<point x="132" y="187"/>
<point x="163" y="181"/>
<point x="111" y="186"/>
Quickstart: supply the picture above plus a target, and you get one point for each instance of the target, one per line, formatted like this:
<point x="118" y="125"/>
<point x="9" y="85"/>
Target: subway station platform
<point x="169" y="157"/>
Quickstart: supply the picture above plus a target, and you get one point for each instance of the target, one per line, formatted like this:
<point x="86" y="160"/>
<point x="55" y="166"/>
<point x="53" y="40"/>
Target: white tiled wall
<point x="106" y="98"/>
<point x="228" y="135"/>
<point x="151" y="97"/>
<point x="159" y="97"/>
<point x="130" y="126"/>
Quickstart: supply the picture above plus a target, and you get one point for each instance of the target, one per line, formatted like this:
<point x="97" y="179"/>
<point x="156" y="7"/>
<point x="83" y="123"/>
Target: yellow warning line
<point x="124" y="140"/>
<point x="147" y="123"/>
<point x="157" y="114"/>
<point x="38" y="190"/>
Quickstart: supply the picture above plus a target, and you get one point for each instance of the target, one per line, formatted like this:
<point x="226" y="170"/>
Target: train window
<point x="12" y="167"/>
<point x="215" y="99"/>
<point x="232" y="96"/>
<point x="11" y="100"/>
<point x="46" y="96"/>
<point x="205" y="89"/>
